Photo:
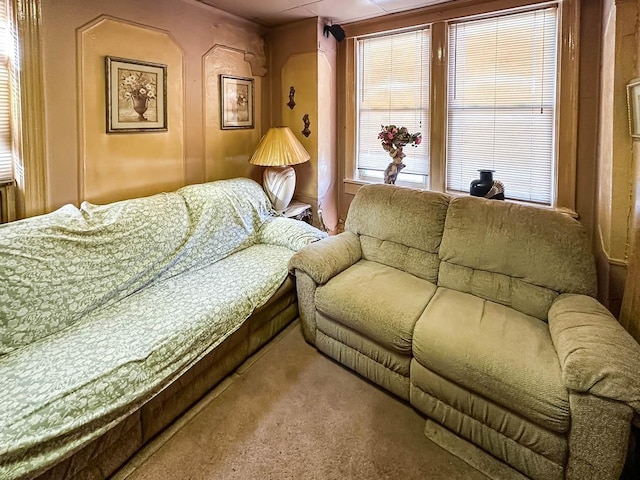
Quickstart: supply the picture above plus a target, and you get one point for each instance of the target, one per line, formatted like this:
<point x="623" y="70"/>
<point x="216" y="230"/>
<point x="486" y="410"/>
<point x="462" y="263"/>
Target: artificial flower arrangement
<point x="393" y="139"/>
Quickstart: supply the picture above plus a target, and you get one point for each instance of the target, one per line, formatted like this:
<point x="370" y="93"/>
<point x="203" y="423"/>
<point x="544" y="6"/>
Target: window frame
<point x="8" y="67"/>
<point x="437" y="18"/>
<point x="376" y="176"/>
<point x="550" y="107"/>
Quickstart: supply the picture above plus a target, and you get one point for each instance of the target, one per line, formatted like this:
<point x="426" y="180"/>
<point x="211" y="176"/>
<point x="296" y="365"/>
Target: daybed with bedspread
<point x="482" y="315"/>
<point x="115" y="319"/>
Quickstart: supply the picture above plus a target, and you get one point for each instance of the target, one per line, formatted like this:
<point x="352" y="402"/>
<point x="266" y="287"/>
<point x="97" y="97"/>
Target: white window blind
<point x="6" y="53"/>
<point x="393" y="89"/>
<point x="501" y="103"/>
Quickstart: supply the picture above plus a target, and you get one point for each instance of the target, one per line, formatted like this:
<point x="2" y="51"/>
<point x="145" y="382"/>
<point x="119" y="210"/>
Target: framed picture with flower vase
<point x="236" y="102"/>
<point x="136" y="96"/>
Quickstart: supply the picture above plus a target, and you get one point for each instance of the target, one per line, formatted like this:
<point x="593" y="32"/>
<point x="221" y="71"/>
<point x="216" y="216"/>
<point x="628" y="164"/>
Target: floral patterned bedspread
<point x="101" y="307"/>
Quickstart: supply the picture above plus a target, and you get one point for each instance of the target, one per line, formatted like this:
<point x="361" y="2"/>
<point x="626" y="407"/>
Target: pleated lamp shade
<point x="279" y="147"/>
<point x="278" y="150"/>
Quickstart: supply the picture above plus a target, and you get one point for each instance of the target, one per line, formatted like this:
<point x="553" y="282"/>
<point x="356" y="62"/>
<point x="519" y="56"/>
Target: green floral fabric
<point x="125" y="298"/>
<point x="56" y="268"/>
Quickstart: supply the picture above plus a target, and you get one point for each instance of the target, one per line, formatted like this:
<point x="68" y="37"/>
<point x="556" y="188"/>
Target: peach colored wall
<point x="327" y="149"/>
<point x="117" y="166"/>
<point x="301" y="57"/>
<point x="227" y="151"/>
<point x="283" y="42"/>
<point x="301" y="71"/>
<point x="630" y="314"/>
<point x="195" y="29"/>
<point x="616" y="150"/>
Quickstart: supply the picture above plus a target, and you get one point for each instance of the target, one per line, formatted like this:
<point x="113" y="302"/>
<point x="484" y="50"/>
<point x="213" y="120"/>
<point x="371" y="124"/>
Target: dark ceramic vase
<point x="481" y="186"/>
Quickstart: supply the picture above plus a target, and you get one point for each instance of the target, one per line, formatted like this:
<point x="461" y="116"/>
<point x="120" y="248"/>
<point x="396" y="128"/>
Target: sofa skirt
<point x="102" y="457"/>
<point x="531" y="449"/>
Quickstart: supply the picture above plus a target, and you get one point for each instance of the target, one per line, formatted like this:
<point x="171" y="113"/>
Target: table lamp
<point x="278" y="150"/>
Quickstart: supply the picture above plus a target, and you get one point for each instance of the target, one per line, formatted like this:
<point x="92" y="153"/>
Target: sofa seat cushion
<point x="495" y="351"/>
<point x="377" y="301"/>
<point x="64" y="390"/>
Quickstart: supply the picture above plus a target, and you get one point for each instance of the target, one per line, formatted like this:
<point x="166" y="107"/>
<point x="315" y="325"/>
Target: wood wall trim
<point x="568" y="74"/>
<point x="31" y="177"/>
<point x="438" y="107"/>
<point x="349" y="139"/>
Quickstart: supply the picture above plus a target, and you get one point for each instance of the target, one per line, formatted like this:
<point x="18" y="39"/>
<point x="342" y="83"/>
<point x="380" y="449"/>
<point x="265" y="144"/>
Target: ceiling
<point x="271" y="13"/>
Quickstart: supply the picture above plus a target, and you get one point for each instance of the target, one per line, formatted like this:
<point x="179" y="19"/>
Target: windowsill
<point x="352" y="185"/>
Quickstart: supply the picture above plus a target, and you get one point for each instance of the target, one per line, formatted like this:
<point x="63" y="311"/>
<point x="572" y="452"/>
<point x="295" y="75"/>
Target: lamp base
<point x="279" y="183"/>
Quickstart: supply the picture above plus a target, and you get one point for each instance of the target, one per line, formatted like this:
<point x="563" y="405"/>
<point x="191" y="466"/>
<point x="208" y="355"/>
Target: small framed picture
<point x="136" y="96"/>
<point x="236" y="102"/>
<point x="633" y="105"/>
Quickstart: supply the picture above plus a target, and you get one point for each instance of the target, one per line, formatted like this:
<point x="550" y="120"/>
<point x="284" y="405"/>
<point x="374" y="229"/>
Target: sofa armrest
<point x="596" y="353"/>
<point x="288" y="233"/>
<point x="598" y="437"/>
<point x="325" y="259"/>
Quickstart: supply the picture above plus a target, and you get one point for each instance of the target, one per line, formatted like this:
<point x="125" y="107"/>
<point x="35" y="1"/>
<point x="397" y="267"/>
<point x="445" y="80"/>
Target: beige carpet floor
<point x="290" y="412"/>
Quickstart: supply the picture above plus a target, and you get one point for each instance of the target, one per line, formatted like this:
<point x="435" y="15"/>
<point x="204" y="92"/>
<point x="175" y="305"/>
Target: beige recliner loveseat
<point x="481" y="315"/>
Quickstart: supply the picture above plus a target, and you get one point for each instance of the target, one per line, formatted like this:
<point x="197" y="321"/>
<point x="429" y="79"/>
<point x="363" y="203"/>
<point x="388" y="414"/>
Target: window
<point x="501" y="103"/>
<point x="492" y="98"/>
<point x="393" y="80"/>
<point x="7" y="73"/>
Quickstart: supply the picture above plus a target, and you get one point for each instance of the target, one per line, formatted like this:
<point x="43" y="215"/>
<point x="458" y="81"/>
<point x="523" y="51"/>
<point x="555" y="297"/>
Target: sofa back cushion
<point x="224" y="216"/>
<point x="399" y="227"/>
<point x="516" y="255"/>
<point x="59" y="266"/>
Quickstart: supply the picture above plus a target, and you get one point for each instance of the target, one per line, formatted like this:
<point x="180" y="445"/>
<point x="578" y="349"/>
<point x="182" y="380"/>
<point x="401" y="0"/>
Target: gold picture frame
<point x="633" y="107"/>
<point x="136" y="96"/>
<point x="236" y="102"/>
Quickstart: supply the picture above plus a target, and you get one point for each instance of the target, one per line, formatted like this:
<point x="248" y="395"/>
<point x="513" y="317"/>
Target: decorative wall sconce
<point x="292" y="103"/>
<point x="306" y="132"/>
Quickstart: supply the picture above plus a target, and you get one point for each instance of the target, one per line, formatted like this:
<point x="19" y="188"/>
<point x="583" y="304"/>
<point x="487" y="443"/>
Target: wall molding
<point x="87" y="36"/>
<point x="256" y="62"/>
<point x="80" y="90"/>
<point x="616" y="261"/>
<point x="610" y="260"/>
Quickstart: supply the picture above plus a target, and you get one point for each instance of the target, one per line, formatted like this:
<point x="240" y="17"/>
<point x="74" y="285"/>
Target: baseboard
<point x="470" y="454"/>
